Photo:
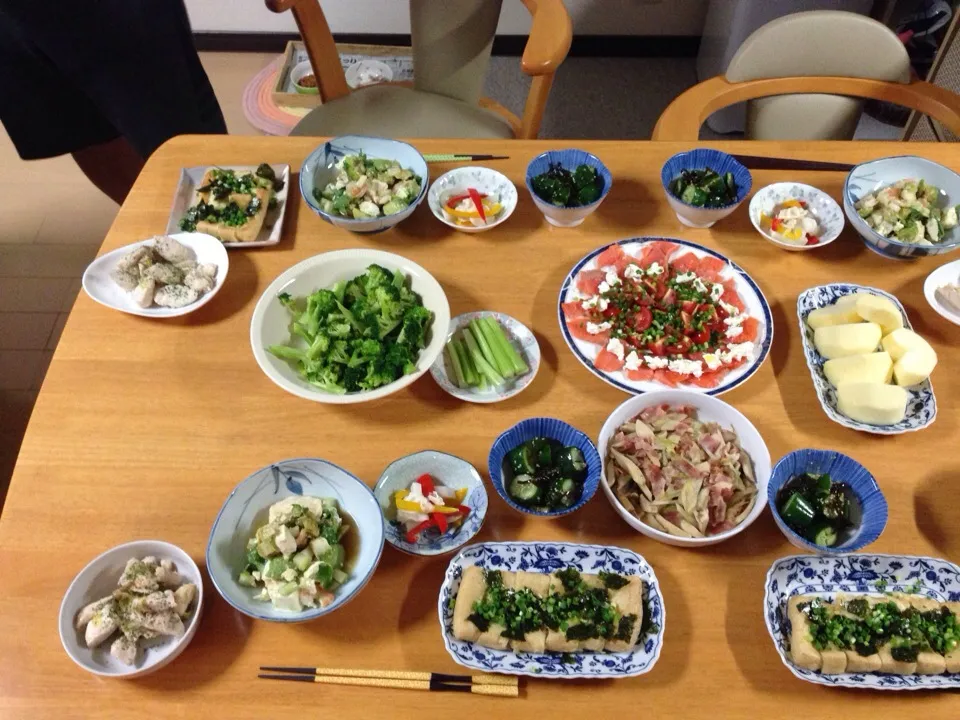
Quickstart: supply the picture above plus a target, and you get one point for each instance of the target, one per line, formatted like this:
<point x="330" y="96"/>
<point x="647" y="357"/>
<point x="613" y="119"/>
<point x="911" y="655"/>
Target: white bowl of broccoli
<point x="349" y="326"/>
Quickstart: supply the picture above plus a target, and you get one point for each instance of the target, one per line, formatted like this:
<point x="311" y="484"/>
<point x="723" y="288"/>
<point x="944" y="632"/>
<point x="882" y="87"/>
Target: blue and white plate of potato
<point x="519" y="336"/>
<point x="870" y="369"/>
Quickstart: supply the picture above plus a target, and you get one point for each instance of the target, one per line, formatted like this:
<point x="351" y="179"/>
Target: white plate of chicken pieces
<point x="165" y="276"/>
<point x="132" y="610"/>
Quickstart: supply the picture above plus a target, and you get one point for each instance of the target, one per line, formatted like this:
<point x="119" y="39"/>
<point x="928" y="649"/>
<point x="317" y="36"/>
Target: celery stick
<point x="454" y="359"/>
<point x="484" y="385"/>
<point x="469" y="374"/>
<point x="519" y="366"/>
<point x="483" y="367"/>
<point x="491" y="352"/>
<point x="501" y="360"/>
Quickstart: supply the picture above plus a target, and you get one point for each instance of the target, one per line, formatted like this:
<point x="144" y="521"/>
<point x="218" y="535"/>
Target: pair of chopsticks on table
<point x="496" y="685"/>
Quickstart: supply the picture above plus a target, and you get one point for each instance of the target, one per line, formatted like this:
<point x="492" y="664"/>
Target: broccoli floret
<point x="322" y="303"/>
<point x="327" y="378"/>
<point x="400" y="360"/>
<point x="377" y="375"/>
<point x="415" y="321"/>
<point x="339" y="352"/>
<point x="289" y="302"/>
<point x="339" y="329"/>
<point x="352" y="292"/>
<point x="375" y="277"/>
<point x="365" y="351"/>
<point x="320" y="345"/>
<point x="354" y="377"/>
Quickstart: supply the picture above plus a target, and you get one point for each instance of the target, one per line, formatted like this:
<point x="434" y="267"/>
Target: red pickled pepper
<point x="478" y="203"/>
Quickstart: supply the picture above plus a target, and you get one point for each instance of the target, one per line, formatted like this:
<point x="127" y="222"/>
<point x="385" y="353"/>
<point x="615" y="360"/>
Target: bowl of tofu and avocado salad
<point x="364" y="184"/>
<point x="904" y="207"/>
<point x="295" y="540"/>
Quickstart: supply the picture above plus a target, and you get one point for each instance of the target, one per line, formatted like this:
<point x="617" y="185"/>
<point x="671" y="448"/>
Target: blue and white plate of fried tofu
<point x="552" y="610"/>
<point x="880" y="622"/>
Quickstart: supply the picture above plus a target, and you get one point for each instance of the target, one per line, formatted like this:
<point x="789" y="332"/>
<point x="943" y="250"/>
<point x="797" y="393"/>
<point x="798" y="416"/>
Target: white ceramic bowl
<point x="708" y="408"/>
<point x="948" y="274"/>
<point x="271" y="322"/>
<point x="247" y="508"/>
<point x="484" y="180"/>
<point x="523" y="341"/>
<point x="98" y="579"/>
<point x="824" y="208"/>
<point x="98" y="284"/>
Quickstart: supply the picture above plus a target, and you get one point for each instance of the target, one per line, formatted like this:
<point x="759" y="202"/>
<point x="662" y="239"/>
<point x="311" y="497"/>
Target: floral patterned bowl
<point x="245" y="509"/>
<point x="448" y="470"/>
<point x="823" y="207"/>
<point x="547" y="557"/>
<point x="523" y="341"/>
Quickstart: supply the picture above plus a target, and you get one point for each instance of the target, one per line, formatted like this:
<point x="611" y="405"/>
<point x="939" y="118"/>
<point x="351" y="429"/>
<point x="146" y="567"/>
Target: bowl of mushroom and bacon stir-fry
<point x="684" y="468"/>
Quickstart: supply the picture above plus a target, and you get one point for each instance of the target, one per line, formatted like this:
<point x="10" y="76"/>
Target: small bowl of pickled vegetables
<point x="826" y="502"/>
<point x="567" y="185"/>
<point x="432" y="502"/>
<point x="904" y="207"/>
<point x="472" y="199"/>
<point x="488" y="357"/>
<point x="544" y="467"/>
<point x="795" y="216"/>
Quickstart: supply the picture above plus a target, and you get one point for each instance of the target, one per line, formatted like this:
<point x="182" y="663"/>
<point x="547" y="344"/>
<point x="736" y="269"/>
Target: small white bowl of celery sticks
<point x="451" y="198"/>
<point x="488" y="357"/>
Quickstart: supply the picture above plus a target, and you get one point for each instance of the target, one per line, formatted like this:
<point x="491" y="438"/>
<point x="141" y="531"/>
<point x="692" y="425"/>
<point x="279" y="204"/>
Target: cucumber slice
<point x="246" y="579"/>
<point x="303" y="559"/>
<point x="288" y="588"/>
<point x="523" y="489"/>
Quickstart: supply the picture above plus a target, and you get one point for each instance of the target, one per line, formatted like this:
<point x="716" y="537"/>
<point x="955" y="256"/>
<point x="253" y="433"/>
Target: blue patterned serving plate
<point x="246" y="509"/>
<point x="447" y="470"/>
<point x="549" y="557"/>
<point x="827" y="575"/>
<point x="753" y="299"/>
<point x="523" y="341"/>
<point x="562" y="432"/>
<point x="922" y="405"/>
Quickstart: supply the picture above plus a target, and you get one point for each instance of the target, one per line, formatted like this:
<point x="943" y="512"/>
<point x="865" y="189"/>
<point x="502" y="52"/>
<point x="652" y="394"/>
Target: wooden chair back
<point x="686" y="114"/>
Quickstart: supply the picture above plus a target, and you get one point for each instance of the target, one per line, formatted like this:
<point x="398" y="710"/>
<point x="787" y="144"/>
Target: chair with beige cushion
<point x="452" y="40"/>
<point x="803" y="75"/>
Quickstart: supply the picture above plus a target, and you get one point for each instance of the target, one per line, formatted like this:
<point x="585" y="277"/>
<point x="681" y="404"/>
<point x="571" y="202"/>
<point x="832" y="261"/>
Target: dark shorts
<point x="77" y="73"/>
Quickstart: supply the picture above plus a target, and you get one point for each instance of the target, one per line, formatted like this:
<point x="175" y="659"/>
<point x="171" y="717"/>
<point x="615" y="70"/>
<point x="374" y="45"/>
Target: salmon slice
<point x="658" y="251"/>
<point x="688" y="262"/>
<point x="607" y="361"/>
<point x="640" y="374"/>
<point x="578" y="328"/>
<point x="610" y="255"/>
<point x="622" y="263"/>
<point x="573" y="310"/>
<point x="750" y="327"/>
<point x="708" y="379"/>
<point x="668" y="377"/>
<point x="712" y="265"/>
<point x="731" y="297"/>
<point x="588" y="281"/>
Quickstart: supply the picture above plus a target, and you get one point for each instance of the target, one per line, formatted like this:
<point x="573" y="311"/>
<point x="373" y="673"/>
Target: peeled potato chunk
<point x="880" y="310"/>
<point x="833" y="315"/>
<point x="871" y="367"/>
<point x="834" y="341"/>
<point x="914" y="367"/>
<point x="872" y="403"/>
<point x="901" y="341"/>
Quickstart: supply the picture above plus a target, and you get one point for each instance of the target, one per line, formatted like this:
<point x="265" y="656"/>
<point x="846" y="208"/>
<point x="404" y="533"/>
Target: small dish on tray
<point x="921" y="408"/>
<point x="517" y="334"/>
<point x="186" y="196"/>
<point x="731" y="318"/>
<point x="547" y="557"/>
<point x="858" y="574"/>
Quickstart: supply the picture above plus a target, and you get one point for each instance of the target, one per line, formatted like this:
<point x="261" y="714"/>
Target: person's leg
<point x="111" y="166"/>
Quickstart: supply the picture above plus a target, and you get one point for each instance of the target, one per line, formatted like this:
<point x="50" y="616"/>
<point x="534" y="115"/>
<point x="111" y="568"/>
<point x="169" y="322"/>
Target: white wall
<point x="590" y="17"/>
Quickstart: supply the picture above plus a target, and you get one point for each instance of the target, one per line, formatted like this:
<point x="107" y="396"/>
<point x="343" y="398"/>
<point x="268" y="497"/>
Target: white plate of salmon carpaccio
<point x="647" y="313"/>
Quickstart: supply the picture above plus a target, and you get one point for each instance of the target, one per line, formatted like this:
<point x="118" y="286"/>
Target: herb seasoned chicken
<point x="165" y="274"/>
<point x="151" y="601"/>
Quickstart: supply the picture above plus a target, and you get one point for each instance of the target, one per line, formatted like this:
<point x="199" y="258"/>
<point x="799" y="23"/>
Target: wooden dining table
<point x="144" y="426"/>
